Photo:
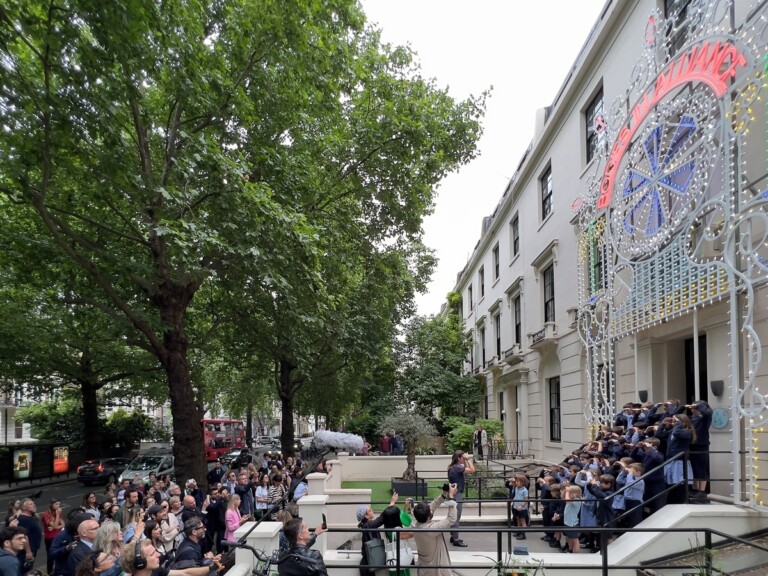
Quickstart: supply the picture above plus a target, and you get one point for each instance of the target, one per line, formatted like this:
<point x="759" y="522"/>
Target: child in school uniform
<point x="518" y="493"/>
<point x="602" y="489"/>
<point x="588" y="512"/>
<point x="633" y="493"/>
<point x="558" y="512"/>
<point x="546" y="509"/>
<point x="571" y="517"/>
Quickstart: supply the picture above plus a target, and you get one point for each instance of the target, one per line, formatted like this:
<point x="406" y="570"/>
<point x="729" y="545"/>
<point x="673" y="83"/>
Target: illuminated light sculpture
<point x="667" y="223"/>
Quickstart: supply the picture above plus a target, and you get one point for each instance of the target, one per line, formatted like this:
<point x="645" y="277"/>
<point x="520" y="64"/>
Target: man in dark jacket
<point x="65" y="541"/>
<point x="86" y="532"/>
<point x="13" y="541"/>
<point x="189" y="553"/>
<point x="300" y="560"/>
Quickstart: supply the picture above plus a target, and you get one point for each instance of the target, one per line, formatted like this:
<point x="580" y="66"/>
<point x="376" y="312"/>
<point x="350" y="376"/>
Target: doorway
<point x="690" y="375"/>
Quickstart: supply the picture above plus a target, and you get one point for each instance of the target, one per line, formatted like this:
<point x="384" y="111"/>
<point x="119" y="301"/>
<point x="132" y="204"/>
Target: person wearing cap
<point x="170" y="529"/>
<point x="367" y="520"/>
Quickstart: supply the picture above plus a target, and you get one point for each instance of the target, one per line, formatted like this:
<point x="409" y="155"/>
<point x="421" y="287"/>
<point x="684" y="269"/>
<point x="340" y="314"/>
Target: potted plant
<point x="513" y="566"/>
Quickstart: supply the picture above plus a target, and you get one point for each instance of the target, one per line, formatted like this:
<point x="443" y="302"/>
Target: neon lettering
<point x="697" y="65"/>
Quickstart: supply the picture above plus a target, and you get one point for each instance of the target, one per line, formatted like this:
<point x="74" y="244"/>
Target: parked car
<point x="101" y="470"/>
<point x="237" y="458"/>
<point x="159" y="461"/>
<point x="265" y="440"/>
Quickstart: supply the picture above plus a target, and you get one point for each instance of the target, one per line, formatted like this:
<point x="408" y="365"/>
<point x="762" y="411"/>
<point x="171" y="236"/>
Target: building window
<point x="596" y="256"/>
<point x="470" y="298"/>
<point x="471" y="338"/>
<point x="482" y="346"/>
<point x="554" y="409"/>
<point x="502" y="412"/>
<point x="546" y="193"/>
<point x="594" y="119"/>
<point x="549" y="293"/>
<point x="516" y="305"/>
<point x="677" y="11"/>
<point x="481" y="281"/>
<point x="515" y="234"/>
<point x="497" y="333"/>
<point x="496" y="262"/>
<point x="19" y="429"/>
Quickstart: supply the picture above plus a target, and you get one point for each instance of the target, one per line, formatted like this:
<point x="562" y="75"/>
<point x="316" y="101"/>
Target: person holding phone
<point x="233" y="518"/>
<point x="460" y="466"/>
<point x="432" y="548"/>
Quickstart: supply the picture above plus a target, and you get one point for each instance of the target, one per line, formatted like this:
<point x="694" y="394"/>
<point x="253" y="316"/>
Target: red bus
<point x="221" y="436"/>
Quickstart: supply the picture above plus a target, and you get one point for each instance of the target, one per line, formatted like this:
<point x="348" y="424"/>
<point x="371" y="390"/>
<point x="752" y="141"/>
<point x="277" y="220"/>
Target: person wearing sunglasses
<point x="189" y="553"/>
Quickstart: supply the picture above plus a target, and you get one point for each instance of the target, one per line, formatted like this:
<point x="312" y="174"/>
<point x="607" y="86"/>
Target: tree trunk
<point x="249" y="422"/>
<point x="188" y="449"/>
<point x="92" y="444"/>
<point x="286" y="398"/>
<point x="410" y="459"/>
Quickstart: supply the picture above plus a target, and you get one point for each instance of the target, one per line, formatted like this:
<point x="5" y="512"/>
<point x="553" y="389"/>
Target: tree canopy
<point x="273" y="155"/>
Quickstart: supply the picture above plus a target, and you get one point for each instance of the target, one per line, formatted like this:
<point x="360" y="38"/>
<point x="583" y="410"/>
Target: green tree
<point x="124" y="430"/>
<point x="430" y="358"/>
<point x="55" y="334"/>
<point x="171" y="146"/>
<point x="55" y="422"/>
<point x="415" y="430"/>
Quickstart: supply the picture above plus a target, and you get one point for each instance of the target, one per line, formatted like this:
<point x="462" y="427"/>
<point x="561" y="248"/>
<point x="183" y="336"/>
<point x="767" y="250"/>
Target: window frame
<point x="548" y="285"/>
<point x="517" y="326"/>
<point x="497" y="334"/>
<point x="496" y="261"/>
<point x="546" y="192"/>
<point x="515" y="234"/>
<point x="481" y="281"/>
<point x="555" y="409"/>
<point x="592" y="137"/>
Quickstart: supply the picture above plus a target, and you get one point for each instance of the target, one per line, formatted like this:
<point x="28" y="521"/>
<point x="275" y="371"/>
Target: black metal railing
<point x="707" y="551"/>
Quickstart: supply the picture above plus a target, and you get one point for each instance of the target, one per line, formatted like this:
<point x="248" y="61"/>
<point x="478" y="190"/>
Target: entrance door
<point x="690" y="378"/>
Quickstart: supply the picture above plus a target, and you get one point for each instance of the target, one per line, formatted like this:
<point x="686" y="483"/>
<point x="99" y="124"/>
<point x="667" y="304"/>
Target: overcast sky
<point x="524" y="50"/>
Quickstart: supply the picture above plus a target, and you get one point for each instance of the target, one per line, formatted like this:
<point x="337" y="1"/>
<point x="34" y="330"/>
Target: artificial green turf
<point x="381" y="490"/>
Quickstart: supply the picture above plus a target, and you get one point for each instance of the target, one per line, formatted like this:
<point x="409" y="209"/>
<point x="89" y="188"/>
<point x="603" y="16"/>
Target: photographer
<point x="431" y="545"/>
<point x="460" y="466"/>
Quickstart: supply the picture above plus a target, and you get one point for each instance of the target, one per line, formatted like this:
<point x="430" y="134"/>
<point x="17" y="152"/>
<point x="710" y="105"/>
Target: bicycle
<point x="267" y="562"/>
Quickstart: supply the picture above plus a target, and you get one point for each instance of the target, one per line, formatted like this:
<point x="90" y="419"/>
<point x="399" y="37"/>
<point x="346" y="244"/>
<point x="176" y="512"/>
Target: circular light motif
<point x="664" y="174"/>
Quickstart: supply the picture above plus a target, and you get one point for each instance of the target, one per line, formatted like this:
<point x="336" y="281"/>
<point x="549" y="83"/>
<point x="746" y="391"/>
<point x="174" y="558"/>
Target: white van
<point x="145" y="464"/>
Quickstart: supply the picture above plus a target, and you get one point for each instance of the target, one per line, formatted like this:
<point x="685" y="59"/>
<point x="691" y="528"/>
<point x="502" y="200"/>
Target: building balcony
<point x="513" y="355"/>
<point x="545" y="337"/>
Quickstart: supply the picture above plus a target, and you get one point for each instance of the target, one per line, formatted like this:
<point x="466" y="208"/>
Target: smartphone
<point x="325" y="524"/>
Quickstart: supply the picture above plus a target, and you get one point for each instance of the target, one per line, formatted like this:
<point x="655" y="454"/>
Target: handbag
<point x="406" y="554"/>
<point x="375" y="552"/>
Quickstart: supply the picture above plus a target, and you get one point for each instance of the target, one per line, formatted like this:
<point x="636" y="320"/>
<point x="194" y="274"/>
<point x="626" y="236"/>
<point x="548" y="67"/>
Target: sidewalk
<point x="32" y="486"/>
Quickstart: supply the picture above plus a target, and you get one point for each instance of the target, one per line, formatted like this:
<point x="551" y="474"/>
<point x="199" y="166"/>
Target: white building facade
<point x="628" y="255"/>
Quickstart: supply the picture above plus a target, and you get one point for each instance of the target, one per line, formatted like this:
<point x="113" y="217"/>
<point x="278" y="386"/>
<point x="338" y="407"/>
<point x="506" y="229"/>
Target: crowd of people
<point x="181" y="526"/>
<point x="164" y="529"/>
<point x="601" y="484"/>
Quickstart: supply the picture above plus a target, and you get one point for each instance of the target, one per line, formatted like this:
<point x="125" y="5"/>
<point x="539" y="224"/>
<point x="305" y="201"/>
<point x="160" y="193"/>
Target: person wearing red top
<point x="53" y="522"/>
